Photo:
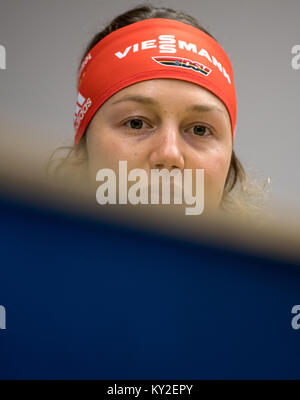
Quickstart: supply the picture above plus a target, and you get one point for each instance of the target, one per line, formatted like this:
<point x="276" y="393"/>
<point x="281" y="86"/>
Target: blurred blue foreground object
<point x="88" y="299"/>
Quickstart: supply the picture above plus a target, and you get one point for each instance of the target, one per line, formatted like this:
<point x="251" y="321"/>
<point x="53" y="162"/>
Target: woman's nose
<point x="166" y="151"/>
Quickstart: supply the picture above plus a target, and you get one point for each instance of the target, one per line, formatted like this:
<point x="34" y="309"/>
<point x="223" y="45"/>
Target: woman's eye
<point x="135" y="123"/>
<point x="200" y="130"/>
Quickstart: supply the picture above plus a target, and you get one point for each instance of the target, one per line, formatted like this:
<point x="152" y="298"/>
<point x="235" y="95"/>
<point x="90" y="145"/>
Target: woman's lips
<point x="176" y="194"/>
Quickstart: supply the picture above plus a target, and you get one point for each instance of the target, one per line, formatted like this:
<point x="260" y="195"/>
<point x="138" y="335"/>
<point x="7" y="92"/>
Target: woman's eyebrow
<point x="138" y="99"/>
<point x="150" y="101"/>
<point x="205" y="108"/>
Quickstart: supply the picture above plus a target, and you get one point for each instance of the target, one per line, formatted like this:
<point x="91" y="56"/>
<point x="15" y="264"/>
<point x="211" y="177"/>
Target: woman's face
<point x="163" y="123"/>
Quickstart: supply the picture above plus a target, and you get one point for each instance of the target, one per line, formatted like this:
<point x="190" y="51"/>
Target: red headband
<point x="151" y="49"/>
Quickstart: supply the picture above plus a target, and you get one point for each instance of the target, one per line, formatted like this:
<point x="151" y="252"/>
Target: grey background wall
<point x="44" y="40"/>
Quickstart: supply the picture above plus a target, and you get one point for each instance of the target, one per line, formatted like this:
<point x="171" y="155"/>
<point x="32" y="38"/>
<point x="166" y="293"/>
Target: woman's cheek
<point x="215" y="172"/>
<point x="104" y="151"/>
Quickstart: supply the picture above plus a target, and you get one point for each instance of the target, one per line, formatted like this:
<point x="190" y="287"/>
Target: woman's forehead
<point x="156" y="92"/>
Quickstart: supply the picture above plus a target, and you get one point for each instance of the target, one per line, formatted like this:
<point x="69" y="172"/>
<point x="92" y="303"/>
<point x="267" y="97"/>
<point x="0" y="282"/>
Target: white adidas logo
<point x="82" y="105"/>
